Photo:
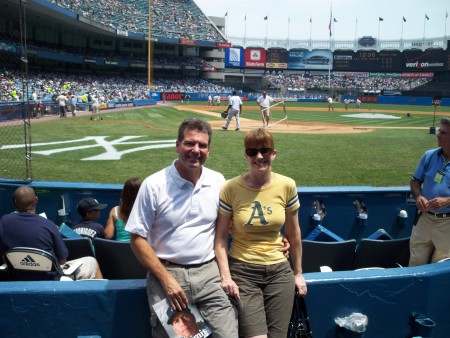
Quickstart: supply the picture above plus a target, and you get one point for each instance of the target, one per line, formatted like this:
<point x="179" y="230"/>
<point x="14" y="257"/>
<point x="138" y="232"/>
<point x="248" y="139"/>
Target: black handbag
<point x="299" y="325"/>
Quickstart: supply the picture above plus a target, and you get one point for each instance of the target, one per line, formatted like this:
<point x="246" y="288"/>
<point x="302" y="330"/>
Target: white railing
<point x="422" y="43"/>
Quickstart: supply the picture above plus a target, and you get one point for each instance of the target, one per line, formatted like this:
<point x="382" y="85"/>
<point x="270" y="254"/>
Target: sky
<point x="291" y="18"/>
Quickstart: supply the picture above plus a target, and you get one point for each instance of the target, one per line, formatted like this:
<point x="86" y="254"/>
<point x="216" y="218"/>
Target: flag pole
<point x="149" y="46"/>
<point x="245" y="29"/>
<point x="424" y="21"/>
<point x="267" y="24"/>
<point x="445" y="24"/>
<point x="226" y="25"/>
<point x="329" y="66"/>
<point x="289" y="23"/>
<point x="424" y="25"/>
<point x="401" y="36"/>
<point x="378" y="38"/>
<point x="310" y="32"/>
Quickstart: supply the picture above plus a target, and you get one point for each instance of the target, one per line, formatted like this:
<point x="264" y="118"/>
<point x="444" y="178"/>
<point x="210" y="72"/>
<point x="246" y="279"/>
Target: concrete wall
<point x="119" y="308"/>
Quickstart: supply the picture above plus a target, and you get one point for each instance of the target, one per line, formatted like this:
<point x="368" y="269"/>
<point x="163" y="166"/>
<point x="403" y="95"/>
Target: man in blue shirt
<point x="430" y="185"/>
<point x="24" y="228"/>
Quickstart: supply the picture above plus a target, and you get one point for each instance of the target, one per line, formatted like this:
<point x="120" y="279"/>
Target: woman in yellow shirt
<point x="258" y="204"/>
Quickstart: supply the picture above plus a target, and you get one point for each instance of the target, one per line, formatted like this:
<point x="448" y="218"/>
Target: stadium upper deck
<point x="171" y="19"/>
<point x="184" y="19"/>
<point x="108" y="49"/>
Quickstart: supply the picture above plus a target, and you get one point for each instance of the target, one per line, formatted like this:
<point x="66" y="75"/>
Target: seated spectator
<point x="89" y="210"/>
<point x="24" y="228"/>
<point x="118" y="216"/>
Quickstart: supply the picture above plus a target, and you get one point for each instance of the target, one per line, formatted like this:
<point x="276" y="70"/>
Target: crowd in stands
<point x="117" y="88"/>
<point x="311" y="82"/>
<point x="105" y="87"/>
<point x="172" y="19"/>
<point x="189" y="85"/>
<point x="182" y="19"/>
<point x="47" y="85"/>
<point x="182" y="61"/>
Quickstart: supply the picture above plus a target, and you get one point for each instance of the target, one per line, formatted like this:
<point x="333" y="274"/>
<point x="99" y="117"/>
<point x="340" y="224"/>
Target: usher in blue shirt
<point x="432" y="163"/>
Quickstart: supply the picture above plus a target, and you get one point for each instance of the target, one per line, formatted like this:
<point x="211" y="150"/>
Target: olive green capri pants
<point x="267" y="295"/>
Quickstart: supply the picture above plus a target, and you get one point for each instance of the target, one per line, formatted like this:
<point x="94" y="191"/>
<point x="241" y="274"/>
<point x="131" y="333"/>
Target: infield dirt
<point x="288" y="126"/>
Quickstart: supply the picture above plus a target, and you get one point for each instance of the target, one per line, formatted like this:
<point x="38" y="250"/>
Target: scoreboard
<point x="370" y="61"/>
<point x="276" y="58"/>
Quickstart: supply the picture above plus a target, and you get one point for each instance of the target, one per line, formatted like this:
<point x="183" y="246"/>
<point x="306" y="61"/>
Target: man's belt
<point x="442" y="215"/>
<point x="188" y="266"/>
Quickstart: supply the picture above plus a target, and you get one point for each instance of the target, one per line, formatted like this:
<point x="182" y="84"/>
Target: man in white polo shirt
<point x="172" y="226"/>
<point x="234" y="109"/>
<point x="264" y="103"/>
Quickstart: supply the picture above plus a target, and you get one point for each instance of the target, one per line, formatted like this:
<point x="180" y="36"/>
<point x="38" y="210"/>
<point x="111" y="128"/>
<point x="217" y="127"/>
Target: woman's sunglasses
<point x="253" y="151"/>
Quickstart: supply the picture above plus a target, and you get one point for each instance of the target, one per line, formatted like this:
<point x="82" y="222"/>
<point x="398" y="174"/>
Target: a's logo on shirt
<point x="258" y="213"/>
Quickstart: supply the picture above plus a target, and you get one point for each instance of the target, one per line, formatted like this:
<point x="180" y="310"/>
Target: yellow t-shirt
<point x="257" y="217"/>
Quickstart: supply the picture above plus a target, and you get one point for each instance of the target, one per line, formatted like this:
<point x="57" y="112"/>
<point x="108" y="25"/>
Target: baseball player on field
<point x="234" y="109"/>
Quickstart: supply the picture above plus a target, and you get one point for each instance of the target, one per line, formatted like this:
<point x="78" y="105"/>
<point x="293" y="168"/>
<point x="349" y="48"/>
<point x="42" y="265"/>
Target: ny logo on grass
<point x="110" y="151"/>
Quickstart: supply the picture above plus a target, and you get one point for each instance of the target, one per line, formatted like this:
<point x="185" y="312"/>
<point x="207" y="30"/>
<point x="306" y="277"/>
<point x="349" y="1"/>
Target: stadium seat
<point x="117" y="260"/>
<point x="37" y="261"/>
<point x="79" y="247"/>
<point x="391" y="253"/>
<point x="336" y="255"/>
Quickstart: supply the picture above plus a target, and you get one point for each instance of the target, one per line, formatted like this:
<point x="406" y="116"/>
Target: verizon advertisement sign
<point x="255" y="58"/>
<point x="428" y="60"/>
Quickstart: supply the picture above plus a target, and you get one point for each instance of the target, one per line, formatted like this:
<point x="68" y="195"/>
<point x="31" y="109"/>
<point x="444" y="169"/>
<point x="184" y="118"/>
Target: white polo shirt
<point x="177" y="218"/>
<point x="264" y="102"/>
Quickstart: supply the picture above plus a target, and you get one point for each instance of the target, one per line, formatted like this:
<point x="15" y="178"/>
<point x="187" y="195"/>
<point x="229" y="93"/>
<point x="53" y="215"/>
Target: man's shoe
<point x="224" y="128"/>
<point x="237" y="129"/>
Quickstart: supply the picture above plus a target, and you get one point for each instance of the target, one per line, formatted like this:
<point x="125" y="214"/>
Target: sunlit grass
<point x="384" y="157"/>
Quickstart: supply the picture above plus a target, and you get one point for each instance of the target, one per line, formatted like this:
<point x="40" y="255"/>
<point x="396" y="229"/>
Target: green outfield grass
<point x="384" y="157"/>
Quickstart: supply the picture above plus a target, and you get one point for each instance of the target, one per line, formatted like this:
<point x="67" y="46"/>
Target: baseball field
<point x="378" y="145"/>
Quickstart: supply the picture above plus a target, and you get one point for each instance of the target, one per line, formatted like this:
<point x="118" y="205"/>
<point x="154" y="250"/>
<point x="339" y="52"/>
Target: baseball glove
<point x="224" y="114"/>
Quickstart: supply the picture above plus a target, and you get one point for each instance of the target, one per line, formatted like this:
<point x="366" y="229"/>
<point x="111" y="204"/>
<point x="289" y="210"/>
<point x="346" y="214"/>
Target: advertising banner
<point x="255" y="58"/>
<point x="305" y="59"/>
<point x="428" y="60"/>
<point x="187" y="42"/>
<point x="428" y="75"/>
<point x="223" y="45"/>
<point x="234" y="57"/>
